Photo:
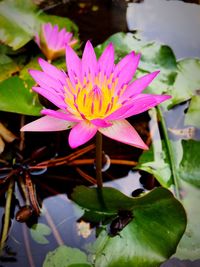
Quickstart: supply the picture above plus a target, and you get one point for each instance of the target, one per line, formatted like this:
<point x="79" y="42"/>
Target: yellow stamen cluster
<point x="94" y="98"/>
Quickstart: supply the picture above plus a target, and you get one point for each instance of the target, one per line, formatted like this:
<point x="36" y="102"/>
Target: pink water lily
<point x="53" y="42"/>
<point x="95" y="95"/>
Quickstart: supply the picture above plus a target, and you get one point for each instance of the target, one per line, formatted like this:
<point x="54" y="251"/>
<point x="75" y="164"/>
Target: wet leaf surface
<point x="7" y="66"/>
<point x="39" y="232"/>
<point x="189" y="169"/>
<point x="65" y="256"/>
<point x="139" y="243"/>
<point x="15" y="97"/>
<point x="192" y="115"/>
<point x="187" y="81"/>
<point x="189" y="246"/>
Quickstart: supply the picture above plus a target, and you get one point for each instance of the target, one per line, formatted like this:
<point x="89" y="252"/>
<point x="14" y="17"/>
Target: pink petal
<point x="45" y="80"/>
<point x="124" y="132"/>
<point x="89" y="61"/>
<point x="51" y="96"/>
<point x="106" y="60"/>
<point x="101" y="123"/>
<point x="47" y="124"/>
<point x="127" y="72"/>
<point x="47" y="29"/>
<point x="123" y="62"/>
<point x="138" y="104"/>
<point x="81" y="133"/>
<point x="61" y="39"/>
<point x="60" y="114"/>
<point x="139" y="85"/>
<point x="52" y="71"/>
<point x="53" y="37"/>
<point x="73" y="63"/>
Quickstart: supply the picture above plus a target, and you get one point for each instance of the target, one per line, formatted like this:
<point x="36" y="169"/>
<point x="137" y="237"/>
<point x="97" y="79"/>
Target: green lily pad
<point x="18" y="22"/>
<point x="155" y="160"/>
<point x="8" y="67"/>
<point x="187" y="82"/>
<point x="65" y="256"/>
<point x="189" y="168"/>
<point x="16" y="97"/>
<point x="189" y="246"/>
<point x="192" y="115"/>
<point x="152" y="236"/>
<point x="39" y="231"/>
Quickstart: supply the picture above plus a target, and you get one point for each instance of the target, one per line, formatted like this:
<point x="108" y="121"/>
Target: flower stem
<point x="170" y="153"/>
<point x="7" y="214"/>
<point x="99" y="160"/>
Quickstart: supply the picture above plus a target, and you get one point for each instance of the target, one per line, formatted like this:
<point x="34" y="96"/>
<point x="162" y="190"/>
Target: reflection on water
<point x="174" y="23"/>
<point x="61" y="215"/>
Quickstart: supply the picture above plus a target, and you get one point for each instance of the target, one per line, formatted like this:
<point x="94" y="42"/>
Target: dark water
<point x="97" y="20"/>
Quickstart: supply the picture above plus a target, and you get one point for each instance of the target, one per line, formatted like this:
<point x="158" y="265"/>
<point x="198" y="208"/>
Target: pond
<point x="51" y="212"/>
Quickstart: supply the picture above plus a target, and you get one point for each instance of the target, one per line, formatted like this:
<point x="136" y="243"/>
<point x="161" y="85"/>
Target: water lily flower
<point x="53" y="42"/>
<point x="94" y="95"/>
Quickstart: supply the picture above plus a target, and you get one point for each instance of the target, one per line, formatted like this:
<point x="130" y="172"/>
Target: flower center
<point x="94" y="98"/>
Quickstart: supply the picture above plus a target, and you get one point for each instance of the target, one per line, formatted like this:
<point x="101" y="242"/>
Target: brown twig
<point x="86" y="176"/>
<point x="63" y="160"/>
<point x="22" y="135"/>
<point x="31" y="193"/>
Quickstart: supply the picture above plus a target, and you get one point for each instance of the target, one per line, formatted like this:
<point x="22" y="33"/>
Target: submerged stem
<point x="7" y="214"/>
<point x="170" y="152"/>
<point x="99" y="160"/>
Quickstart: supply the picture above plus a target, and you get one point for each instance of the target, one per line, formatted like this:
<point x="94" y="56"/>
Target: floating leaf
<point x="155" y="160"/>
<point x="18" y="22"/>
<point x="158" y="223"/>
<point x="15" y="97"/>
<point x="189" y="169"/>
<point x="7" y="66"/>
<point x="189" y="246"/>
<point x="39" y="231"/>
<point x="65" y="256"/>
<point x="187" y="82"/>
<point x="192" y="115"/>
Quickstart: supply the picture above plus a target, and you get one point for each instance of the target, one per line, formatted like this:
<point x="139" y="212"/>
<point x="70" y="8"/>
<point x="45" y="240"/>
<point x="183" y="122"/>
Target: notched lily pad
<point x="39" y="231"/>
<point x="192" y="115"/>
<point x="16" y="97"/>
<point x="65" y="256"/>
<point x="159" y="222"/>
<point x="189" y="168"/>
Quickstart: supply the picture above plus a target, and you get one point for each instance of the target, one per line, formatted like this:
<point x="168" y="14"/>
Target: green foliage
<point x="156" y="160"/>
<point x="189" y="246"/>
<point x="158" y="223"/>
<point x="7" y="66"/>
<point x="16" y="97"/>
<point x="18" y="21"/>
<point x="39" y="231"/>
<point x="192" y="115"/>
<point x="189" y="169"/>
<point x="65" y="256"/>
<point x="187" y="82"/>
